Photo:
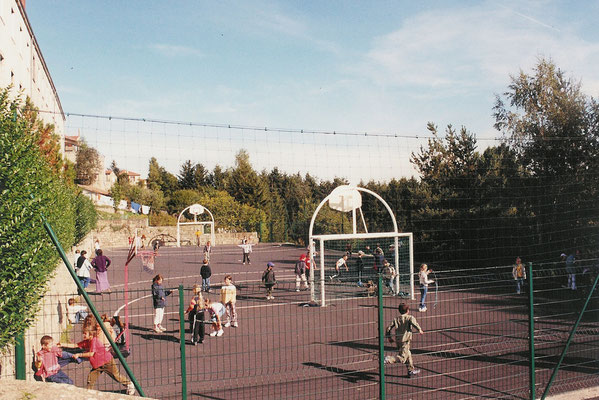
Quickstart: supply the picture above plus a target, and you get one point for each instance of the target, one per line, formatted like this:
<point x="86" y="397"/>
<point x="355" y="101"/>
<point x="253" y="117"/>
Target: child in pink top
<point x="46" y="362"/>
<point x="100" y="359"/>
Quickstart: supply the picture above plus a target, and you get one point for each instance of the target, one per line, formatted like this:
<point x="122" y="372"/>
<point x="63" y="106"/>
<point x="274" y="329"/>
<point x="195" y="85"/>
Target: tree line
<point x="532" y="194"/>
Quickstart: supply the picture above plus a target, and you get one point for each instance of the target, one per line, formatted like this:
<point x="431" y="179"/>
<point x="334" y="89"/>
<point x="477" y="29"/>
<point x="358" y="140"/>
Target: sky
<point x="383" y="68"/>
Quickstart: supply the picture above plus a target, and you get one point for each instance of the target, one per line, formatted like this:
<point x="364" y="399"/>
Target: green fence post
<point x="92" y="308"/>
<point x="20" y="370"/>
<point x="572" y="332"/>
<point x="182" y="342"/>
<point x="531" y="335"/>
<point x="381" y="339"/>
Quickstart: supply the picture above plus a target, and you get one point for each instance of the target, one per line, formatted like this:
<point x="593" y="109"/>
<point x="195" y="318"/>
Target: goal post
<point x="326" y="249"/>
<point x="195" y="210"/>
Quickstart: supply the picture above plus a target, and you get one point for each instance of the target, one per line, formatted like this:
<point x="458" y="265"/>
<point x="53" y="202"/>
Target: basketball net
<point x="147" y="260"/>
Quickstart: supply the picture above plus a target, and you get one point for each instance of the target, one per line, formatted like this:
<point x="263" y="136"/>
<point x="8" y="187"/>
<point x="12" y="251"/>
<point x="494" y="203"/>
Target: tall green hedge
<point x="28" y="189"/>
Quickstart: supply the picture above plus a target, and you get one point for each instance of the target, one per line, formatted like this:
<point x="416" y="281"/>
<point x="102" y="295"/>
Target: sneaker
<point x="213" y="333"/>
<point x="297" y="290"/>
<point x="130" y="389"/>
<point x="162" y="328"/>
<point x="228" y="324"/>
<point x="157" y="330"/>
<point x="413" y="372"/>
<point x="388" y="360"/>
<point x="272" y="297"/>
<point x="234" y="325"/>
<point x="422" y="309"/>
<point x="220" y="333"/>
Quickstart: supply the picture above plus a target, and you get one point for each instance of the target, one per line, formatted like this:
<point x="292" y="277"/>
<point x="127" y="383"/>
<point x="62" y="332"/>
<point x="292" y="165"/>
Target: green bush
<point x="86" y="217"/>
<point x="28" y="189"/>
<point x="162" y="219"/>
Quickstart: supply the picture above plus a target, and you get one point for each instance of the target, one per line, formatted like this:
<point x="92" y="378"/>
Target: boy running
<point x="403" y="337"/>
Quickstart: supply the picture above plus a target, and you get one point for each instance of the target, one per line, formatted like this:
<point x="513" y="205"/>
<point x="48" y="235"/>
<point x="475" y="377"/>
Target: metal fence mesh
<point x="475" y="343"/>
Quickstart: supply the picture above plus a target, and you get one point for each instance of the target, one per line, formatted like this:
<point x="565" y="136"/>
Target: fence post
<point x="182" y="342"/>
<point x="381" y="339"/>
<point x="20" y="357"/>
<point x="531" y="335"/>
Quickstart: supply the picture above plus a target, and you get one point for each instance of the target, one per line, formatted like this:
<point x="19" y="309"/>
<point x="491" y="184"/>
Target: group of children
<point x="198" y="307"/>
<point x="95" y="347"/>
<point x="217" y="311"/>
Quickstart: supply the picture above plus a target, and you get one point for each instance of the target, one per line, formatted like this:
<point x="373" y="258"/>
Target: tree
<point x="550" y="123"/>
<point x="160" y="179"/>
<point x="192" y="176"/>
<point x="245" y="184"/>
<point x="553" y="127"/>
<point x="87" y="165"/>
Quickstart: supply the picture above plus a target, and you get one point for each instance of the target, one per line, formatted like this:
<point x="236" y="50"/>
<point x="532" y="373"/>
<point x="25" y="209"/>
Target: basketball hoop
<point x="147" y="260"/>
<point x="345" y="198"/>
<point x="196" y="209"/>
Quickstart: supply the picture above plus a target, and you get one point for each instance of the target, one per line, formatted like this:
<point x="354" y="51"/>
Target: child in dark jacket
<point x="268" y="277"/>
<point x="159" y="301"/>
<point x="205" y="273"/>
<point x="196" y="316"/>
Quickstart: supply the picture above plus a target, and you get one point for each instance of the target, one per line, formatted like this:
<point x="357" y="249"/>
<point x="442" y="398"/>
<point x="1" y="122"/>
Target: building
<point x="22" y="65"/>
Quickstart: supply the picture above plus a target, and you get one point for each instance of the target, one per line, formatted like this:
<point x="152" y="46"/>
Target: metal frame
<point x="196" y="222"/>
<point x="355" y="235"/>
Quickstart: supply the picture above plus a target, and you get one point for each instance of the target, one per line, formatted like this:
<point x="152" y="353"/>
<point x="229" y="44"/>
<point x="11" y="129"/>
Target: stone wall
<point x="116" y="233"/>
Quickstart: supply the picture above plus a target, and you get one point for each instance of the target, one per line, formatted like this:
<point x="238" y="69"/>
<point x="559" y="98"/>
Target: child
<point x="159" y="302"/>
<point x="228" y="296"/>
<point x="76" y="312"/>
<point x="360" y="267"/>
<point x="403" y="337"/>
<point x="390" y="275"/>
<point x="340" y="263"/>
<point x="300" y="273"/>
<point x="247" y="249"/>
<point x="100" y="333"/>
<point x="424" y="282"/>
<point x="217" y="312"/>
<point x="519" y="274"/>
<point x="196" y="316"/>
<point x="205" y="273"/>
<point x="268" y="277"/>
<point x="47" y="365"/>
<point x="83" y="269"/>
<point x="100" y="359"/>
<point x="207" y="251"/>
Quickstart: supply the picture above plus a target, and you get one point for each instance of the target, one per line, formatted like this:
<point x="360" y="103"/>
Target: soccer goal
<point x="348" y="263"/>
<point x="195" y="210"/>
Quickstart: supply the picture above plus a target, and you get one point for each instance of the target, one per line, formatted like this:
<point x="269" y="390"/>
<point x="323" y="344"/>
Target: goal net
<point x="348" y="264"/>
<point x="366" y="255"/>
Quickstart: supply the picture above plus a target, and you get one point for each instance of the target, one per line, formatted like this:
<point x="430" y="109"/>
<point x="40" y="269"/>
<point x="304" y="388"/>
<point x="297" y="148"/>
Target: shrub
<point x="28" y="189"/>
<point x="86" y="217"/>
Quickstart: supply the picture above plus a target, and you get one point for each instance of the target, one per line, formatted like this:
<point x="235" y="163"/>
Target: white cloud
<point x="468" y="49"/>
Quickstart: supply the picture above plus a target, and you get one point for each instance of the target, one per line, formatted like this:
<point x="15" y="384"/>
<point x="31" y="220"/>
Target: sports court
<point x="475" y="343"/>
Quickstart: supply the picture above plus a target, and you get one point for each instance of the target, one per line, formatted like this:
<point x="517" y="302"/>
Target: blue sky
<point x="384" y="67"/>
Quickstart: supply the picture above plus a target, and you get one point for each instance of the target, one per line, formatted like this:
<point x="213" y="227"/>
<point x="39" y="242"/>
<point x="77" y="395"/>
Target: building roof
<point x="94" y="189"/>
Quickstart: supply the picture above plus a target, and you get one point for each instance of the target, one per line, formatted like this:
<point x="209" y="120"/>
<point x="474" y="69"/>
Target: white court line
<point x="283" y="277"/>
<point x="239" y="308"/>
